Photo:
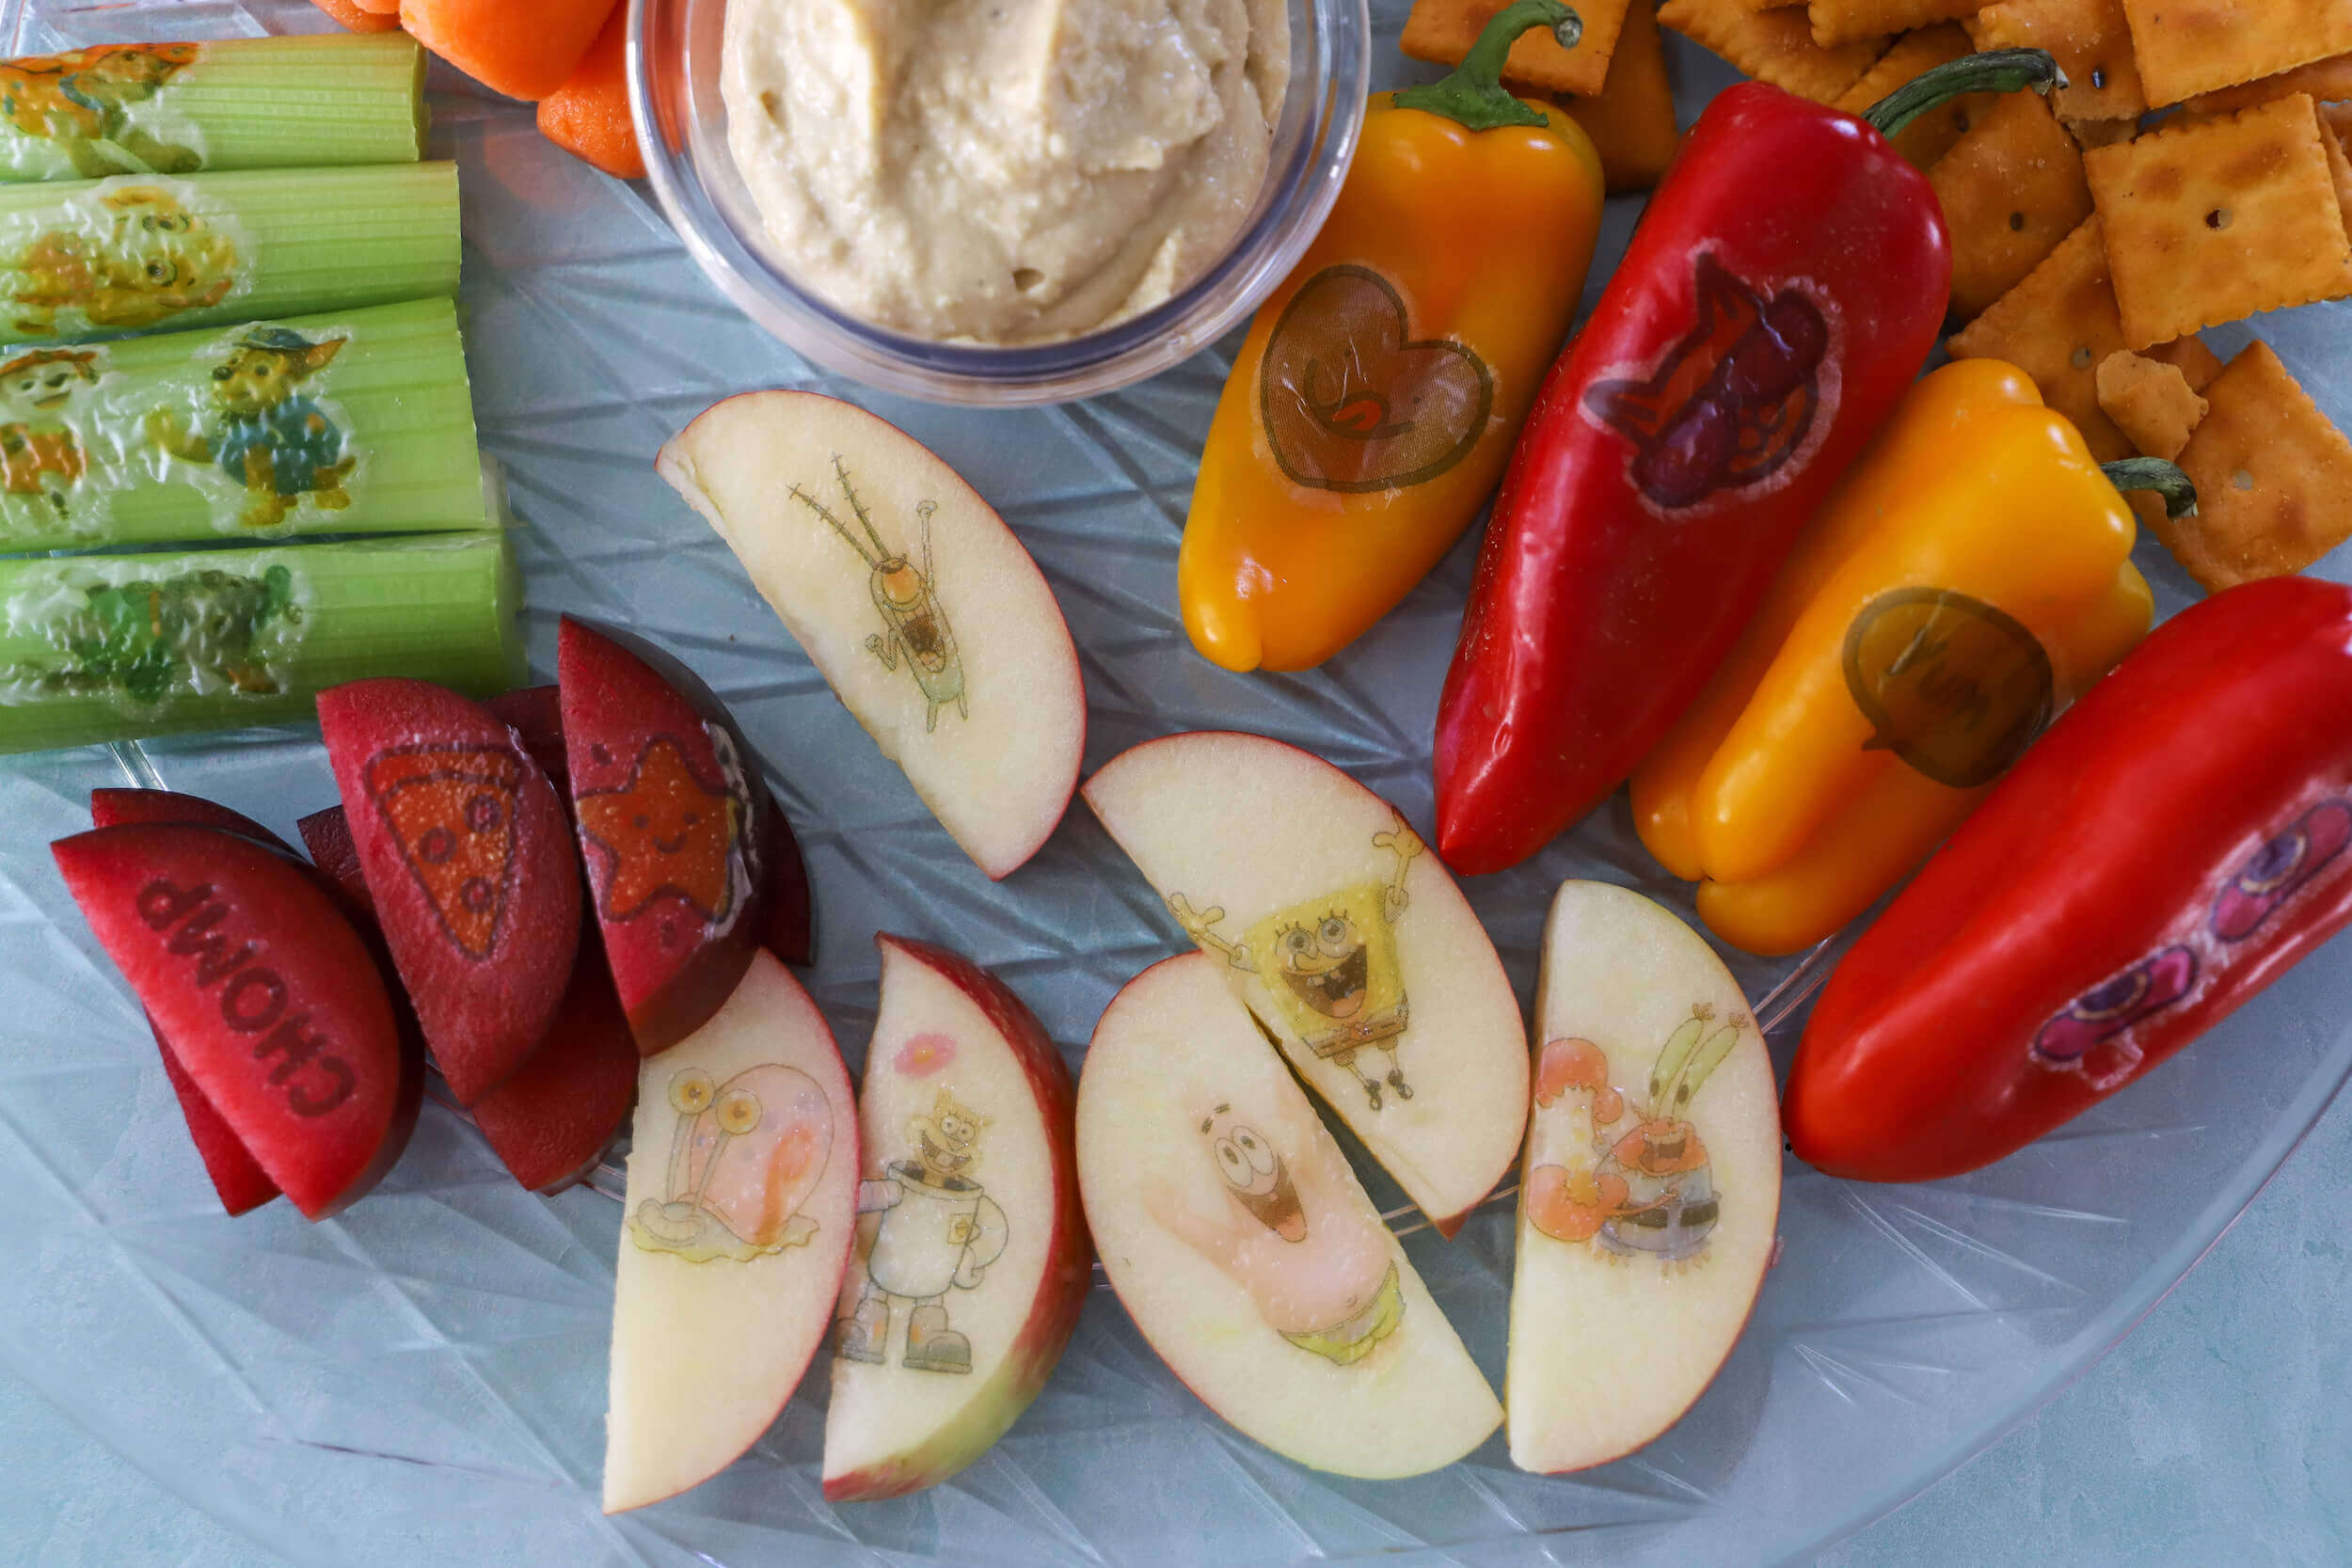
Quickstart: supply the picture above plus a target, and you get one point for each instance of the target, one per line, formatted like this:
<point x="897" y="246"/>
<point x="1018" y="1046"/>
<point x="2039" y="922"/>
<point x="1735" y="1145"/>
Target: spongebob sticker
<point x="118" y="255"/>
<point x="939" y="1232"/>
<point x="1330" y="967"/>
<point x="1630" y="1179"/>
<point x="277" y="444"/>
<point x="914" y="622"/>
<point x="746" y="1155"/>
<point x="90" y="113"/>
<point x="41" y="454"/>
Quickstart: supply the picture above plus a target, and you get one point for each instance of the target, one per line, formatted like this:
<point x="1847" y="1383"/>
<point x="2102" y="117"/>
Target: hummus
<point x="1003" y="171"/>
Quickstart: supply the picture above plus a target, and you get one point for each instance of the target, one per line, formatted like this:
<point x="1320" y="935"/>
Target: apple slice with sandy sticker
<point x="1652" y="1181"/>
<point x="911" y="596"/>
<point x="1346" y="939"/>
<point x="1247" y="1252"/>
<point x="741" y="1201"/>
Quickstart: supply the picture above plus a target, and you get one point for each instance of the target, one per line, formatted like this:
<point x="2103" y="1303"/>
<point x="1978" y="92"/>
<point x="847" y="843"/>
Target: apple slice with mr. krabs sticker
<point x="972" y="1258"/>
<point x="1651" y="1193"/>
<point x="740" y="1208"/>
<point x="911" y="596"/>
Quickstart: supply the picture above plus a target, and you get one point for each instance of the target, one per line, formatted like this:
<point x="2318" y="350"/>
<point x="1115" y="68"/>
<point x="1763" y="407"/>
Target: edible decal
<point x="278" y="445"/>
<point x="95" y="111"/>
<point x="744" y="1157"/>
<point x="672" y="832"/>
<point x="1632" y="1179"/>
<point x="1952" y="685"/>
<point x="1330" y="967"/>
<point x="915" y="624"/>
<point x="1293" y="1234"/>
<point x="41" y="454"/>
<point x="451" y="811"/>
<point x="1351" y="404"/>
<point x="1731" y="404"/>
<point x="122" y="254"/>
<point x="143" y="640"/>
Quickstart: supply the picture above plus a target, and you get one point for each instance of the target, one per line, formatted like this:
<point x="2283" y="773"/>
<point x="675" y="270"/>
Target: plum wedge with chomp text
<point x="271" y="1002"/>
<point x="469" y="864"/>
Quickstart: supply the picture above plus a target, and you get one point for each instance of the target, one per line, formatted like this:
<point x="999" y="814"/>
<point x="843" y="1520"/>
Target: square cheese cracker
<point x="2012" y="189"/>
<point x="2186" y="47"/>
<point x="2091" y="41"/>
<point x="2273" y="476"/>
<point x="2217" y="220"/>
<point x="2325" y="79"/>
<point x="1443" y="31"/>
<point x="1836" y="21"/>
<point x="1632" y="122"/>
<point x="2151" y="403"/>
<point x="1931" y="136"/>
<point x="1774" y="46"/>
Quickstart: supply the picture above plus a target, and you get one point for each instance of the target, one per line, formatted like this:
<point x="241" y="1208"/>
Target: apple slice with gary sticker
<point x="972" y="1258"/>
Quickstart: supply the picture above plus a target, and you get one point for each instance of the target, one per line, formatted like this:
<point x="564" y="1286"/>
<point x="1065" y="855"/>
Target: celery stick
<point x="176" y="108"/>
<point x="100" y="648"/>
<point x="92" y="258"/>
<point x="356" y="423"/>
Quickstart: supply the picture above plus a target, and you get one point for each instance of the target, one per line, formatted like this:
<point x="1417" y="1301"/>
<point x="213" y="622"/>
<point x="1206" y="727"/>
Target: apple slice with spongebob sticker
<point x="1652" y="1189"/>
<point x="972" y="1258"/>
<point x="1245" y="1248"/>
<point x="911" y="596"/>
<point x="741" y="1206"/>
<point x="1346" y="939"/>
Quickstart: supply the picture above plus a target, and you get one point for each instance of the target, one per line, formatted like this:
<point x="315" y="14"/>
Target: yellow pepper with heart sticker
<point x="1376" y="398"/>
<point x="1970" y="576"/>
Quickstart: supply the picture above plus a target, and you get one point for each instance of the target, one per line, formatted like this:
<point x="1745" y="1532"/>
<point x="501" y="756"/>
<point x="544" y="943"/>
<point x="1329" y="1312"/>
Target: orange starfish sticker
<point x="665" y="834"/>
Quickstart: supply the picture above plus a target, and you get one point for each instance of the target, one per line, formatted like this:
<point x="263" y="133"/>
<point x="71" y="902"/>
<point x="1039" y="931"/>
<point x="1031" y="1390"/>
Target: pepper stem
<point x="1473" y="94"/>
<point x="1995" y="71"/>
<point x="2155" y="474"/>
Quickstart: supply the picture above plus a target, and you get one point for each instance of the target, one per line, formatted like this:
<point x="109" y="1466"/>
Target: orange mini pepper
<point x="1375" y="400"/>
<point x="1970" y="576"/>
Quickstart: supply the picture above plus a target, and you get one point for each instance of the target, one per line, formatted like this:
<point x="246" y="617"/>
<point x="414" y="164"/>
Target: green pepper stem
<point x="1473" y="95"/>
<point x="2155" y="474"/>
<point x="1995" y="71"/>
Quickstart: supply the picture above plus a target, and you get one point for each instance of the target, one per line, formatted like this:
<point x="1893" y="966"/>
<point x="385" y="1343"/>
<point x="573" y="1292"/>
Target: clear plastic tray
<point x="422" y="1380"/>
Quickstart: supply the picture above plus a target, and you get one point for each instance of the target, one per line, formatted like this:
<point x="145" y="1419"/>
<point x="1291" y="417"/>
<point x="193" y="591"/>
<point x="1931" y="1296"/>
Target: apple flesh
<point x="972" y="1260"/>
<point x="1346" y="939"/>
<point x="1245" y="1249"/>
<point x="469" y="863"/>
<point x="742" y="1204"/>
<point x="1651" y="1186"/>
<point x="272" y="1003"/>
<point x="911" y="596"/>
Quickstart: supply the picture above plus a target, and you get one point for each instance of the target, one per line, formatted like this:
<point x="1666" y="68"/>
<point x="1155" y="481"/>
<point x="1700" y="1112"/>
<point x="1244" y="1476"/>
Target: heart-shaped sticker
<point x="1351" y="404"/>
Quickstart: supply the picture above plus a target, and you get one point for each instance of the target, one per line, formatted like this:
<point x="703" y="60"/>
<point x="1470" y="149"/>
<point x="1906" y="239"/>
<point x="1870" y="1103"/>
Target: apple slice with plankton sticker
<point x="911" y="596"/>
<point x="1245" y="1248"/>
<point x="1348" y="939"/>
<point x="1651" y="1189"/>
<point x="972" y="1258"/>
<point x="741" y="1206"/>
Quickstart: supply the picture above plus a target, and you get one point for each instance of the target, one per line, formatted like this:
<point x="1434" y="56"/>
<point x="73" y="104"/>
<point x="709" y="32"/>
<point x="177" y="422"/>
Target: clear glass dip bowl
<point x="673" y="48"/>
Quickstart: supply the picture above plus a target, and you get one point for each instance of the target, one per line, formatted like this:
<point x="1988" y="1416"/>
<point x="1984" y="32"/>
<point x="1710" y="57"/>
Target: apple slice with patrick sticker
<point x="742" y="1204"/>
<point x="1346" y="939"/>
<point x="1652" y="1190"/>
<point x="1247" y="1252"/>
<point x="911" y="596"/>
<point x="972" y="1258"/>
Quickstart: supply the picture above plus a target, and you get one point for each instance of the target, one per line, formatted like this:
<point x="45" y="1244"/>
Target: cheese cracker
<point x="1931" y="136"/>
<point x="2185" y="47"/>
<point x="1836" y="21"/>
<point x="1443" y="30"/>
<point x="1632" y="122"/>
<point x="2151" y="403"/>
<point x="2012" y="189"/>
<point x="2088" y="134"/>
<point x="2217" y="220"/>
<point x="1774" y="46"/>
<point x="2273" y="476"/>
<point x="2323" y="79"/>
<point x="2091" y="41"/>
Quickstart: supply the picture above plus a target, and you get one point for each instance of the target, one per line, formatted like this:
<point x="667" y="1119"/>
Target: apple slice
<point x="272" y="1003"/>
<point x="535" y="714"/>
<point x="972" y="1258"/>
<point x="1348" y="941"/>
<point x="740" y="1208"/>
<point x="470" y="864"/>
<point x="913" y="599"/>
<point x="1247" y="1252"/>
<point x="1651" y="1193"/>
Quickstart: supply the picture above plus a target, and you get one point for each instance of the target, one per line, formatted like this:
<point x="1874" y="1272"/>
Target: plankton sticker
<point x="120" y="255"/>
<point x="938" y="1233"/>
<point x="278" y="445"/>
<point x="43" y="458"/>
<point x="914" y="622"/>
<point x="143" y="640"/>
<point x="1330" y="966"/>
<point x="746" y="1155"/>
<point x="90" y="113"/>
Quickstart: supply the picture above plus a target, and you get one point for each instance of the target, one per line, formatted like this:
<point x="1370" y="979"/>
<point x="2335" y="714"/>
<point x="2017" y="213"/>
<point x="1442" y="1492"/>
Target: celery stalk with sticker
<point x="359" y="422"/>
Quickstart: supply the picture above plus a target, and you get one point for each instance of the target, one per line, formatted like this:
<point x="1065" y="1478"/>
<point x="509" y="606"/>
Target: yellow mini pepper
<point x="1971" y="575"/>
<point x="1375" y="400"/>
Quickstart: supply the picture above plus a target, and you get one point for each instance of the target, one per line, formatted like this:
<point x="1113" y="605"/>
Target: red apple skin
<point x="487" y="962"/>
<point x="1070" y="1250"/>
<point x="244" y="963"/>
<point x="112" y="808"/>
<point x="535" y="714"/>
<point x="237" y="1176"/>
<point x="791" y="933"/>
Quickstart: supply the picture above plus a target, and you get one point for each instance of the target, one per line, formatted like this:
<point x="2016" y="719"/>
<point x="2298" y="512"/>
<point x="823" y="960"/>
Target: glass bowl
<point x="673" y="50"/>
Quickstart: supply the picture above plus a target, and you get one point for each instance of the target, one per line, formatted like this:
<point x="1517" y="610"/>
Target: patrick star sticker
<point x="666" y="832"/>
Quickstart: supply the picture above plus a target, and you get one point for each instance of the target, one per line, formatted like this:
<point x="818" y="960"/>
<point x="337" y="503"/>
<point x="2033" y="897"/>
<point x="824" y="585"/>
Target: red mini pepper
<point x="2177" y="840"/>
<point x="1784" y="288"/>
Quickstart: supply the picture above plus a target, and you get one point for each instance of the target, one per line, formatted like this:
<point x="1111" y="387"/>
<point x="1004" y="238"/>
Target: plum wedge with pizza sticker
<point x="469" y="863"/>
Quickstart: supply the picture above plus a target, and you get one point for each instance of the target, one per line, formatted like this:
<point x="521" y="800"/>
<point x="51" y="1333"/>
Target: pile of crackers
<point x="2196" y="170"/>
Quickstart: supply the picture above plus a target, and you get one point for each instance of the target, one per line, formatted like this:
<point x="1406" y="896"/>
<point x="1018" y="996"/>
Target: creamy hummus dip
<point x="1003" y="171"/>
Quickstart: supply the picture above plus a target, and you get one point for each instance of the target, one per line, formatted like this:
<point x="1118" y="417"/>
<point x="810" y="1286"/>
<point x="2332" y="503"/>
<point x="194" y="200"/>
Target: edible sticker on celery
<point x="144" y="641"/>
<point x="99" y="111"/>
<point x="118" y="255"/>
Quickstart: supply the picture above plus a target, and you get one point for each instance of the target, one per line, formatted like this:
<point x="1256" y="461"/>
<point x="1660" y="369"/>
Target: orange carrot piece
<point x="387" y="7"/>
<point x="355" y="18"/>
<point x="588" y="115"/>
<point x="522" y="48"/>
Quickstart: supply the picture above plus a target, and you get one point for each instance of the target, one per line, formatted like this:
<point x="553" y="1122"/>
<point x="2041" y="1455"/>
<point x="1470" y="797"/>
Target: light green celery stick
<point x="177" y="108"/>
<point x="97" y="258"/>
<point x="354" y="422"/>
<point x="100" y="648"/>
